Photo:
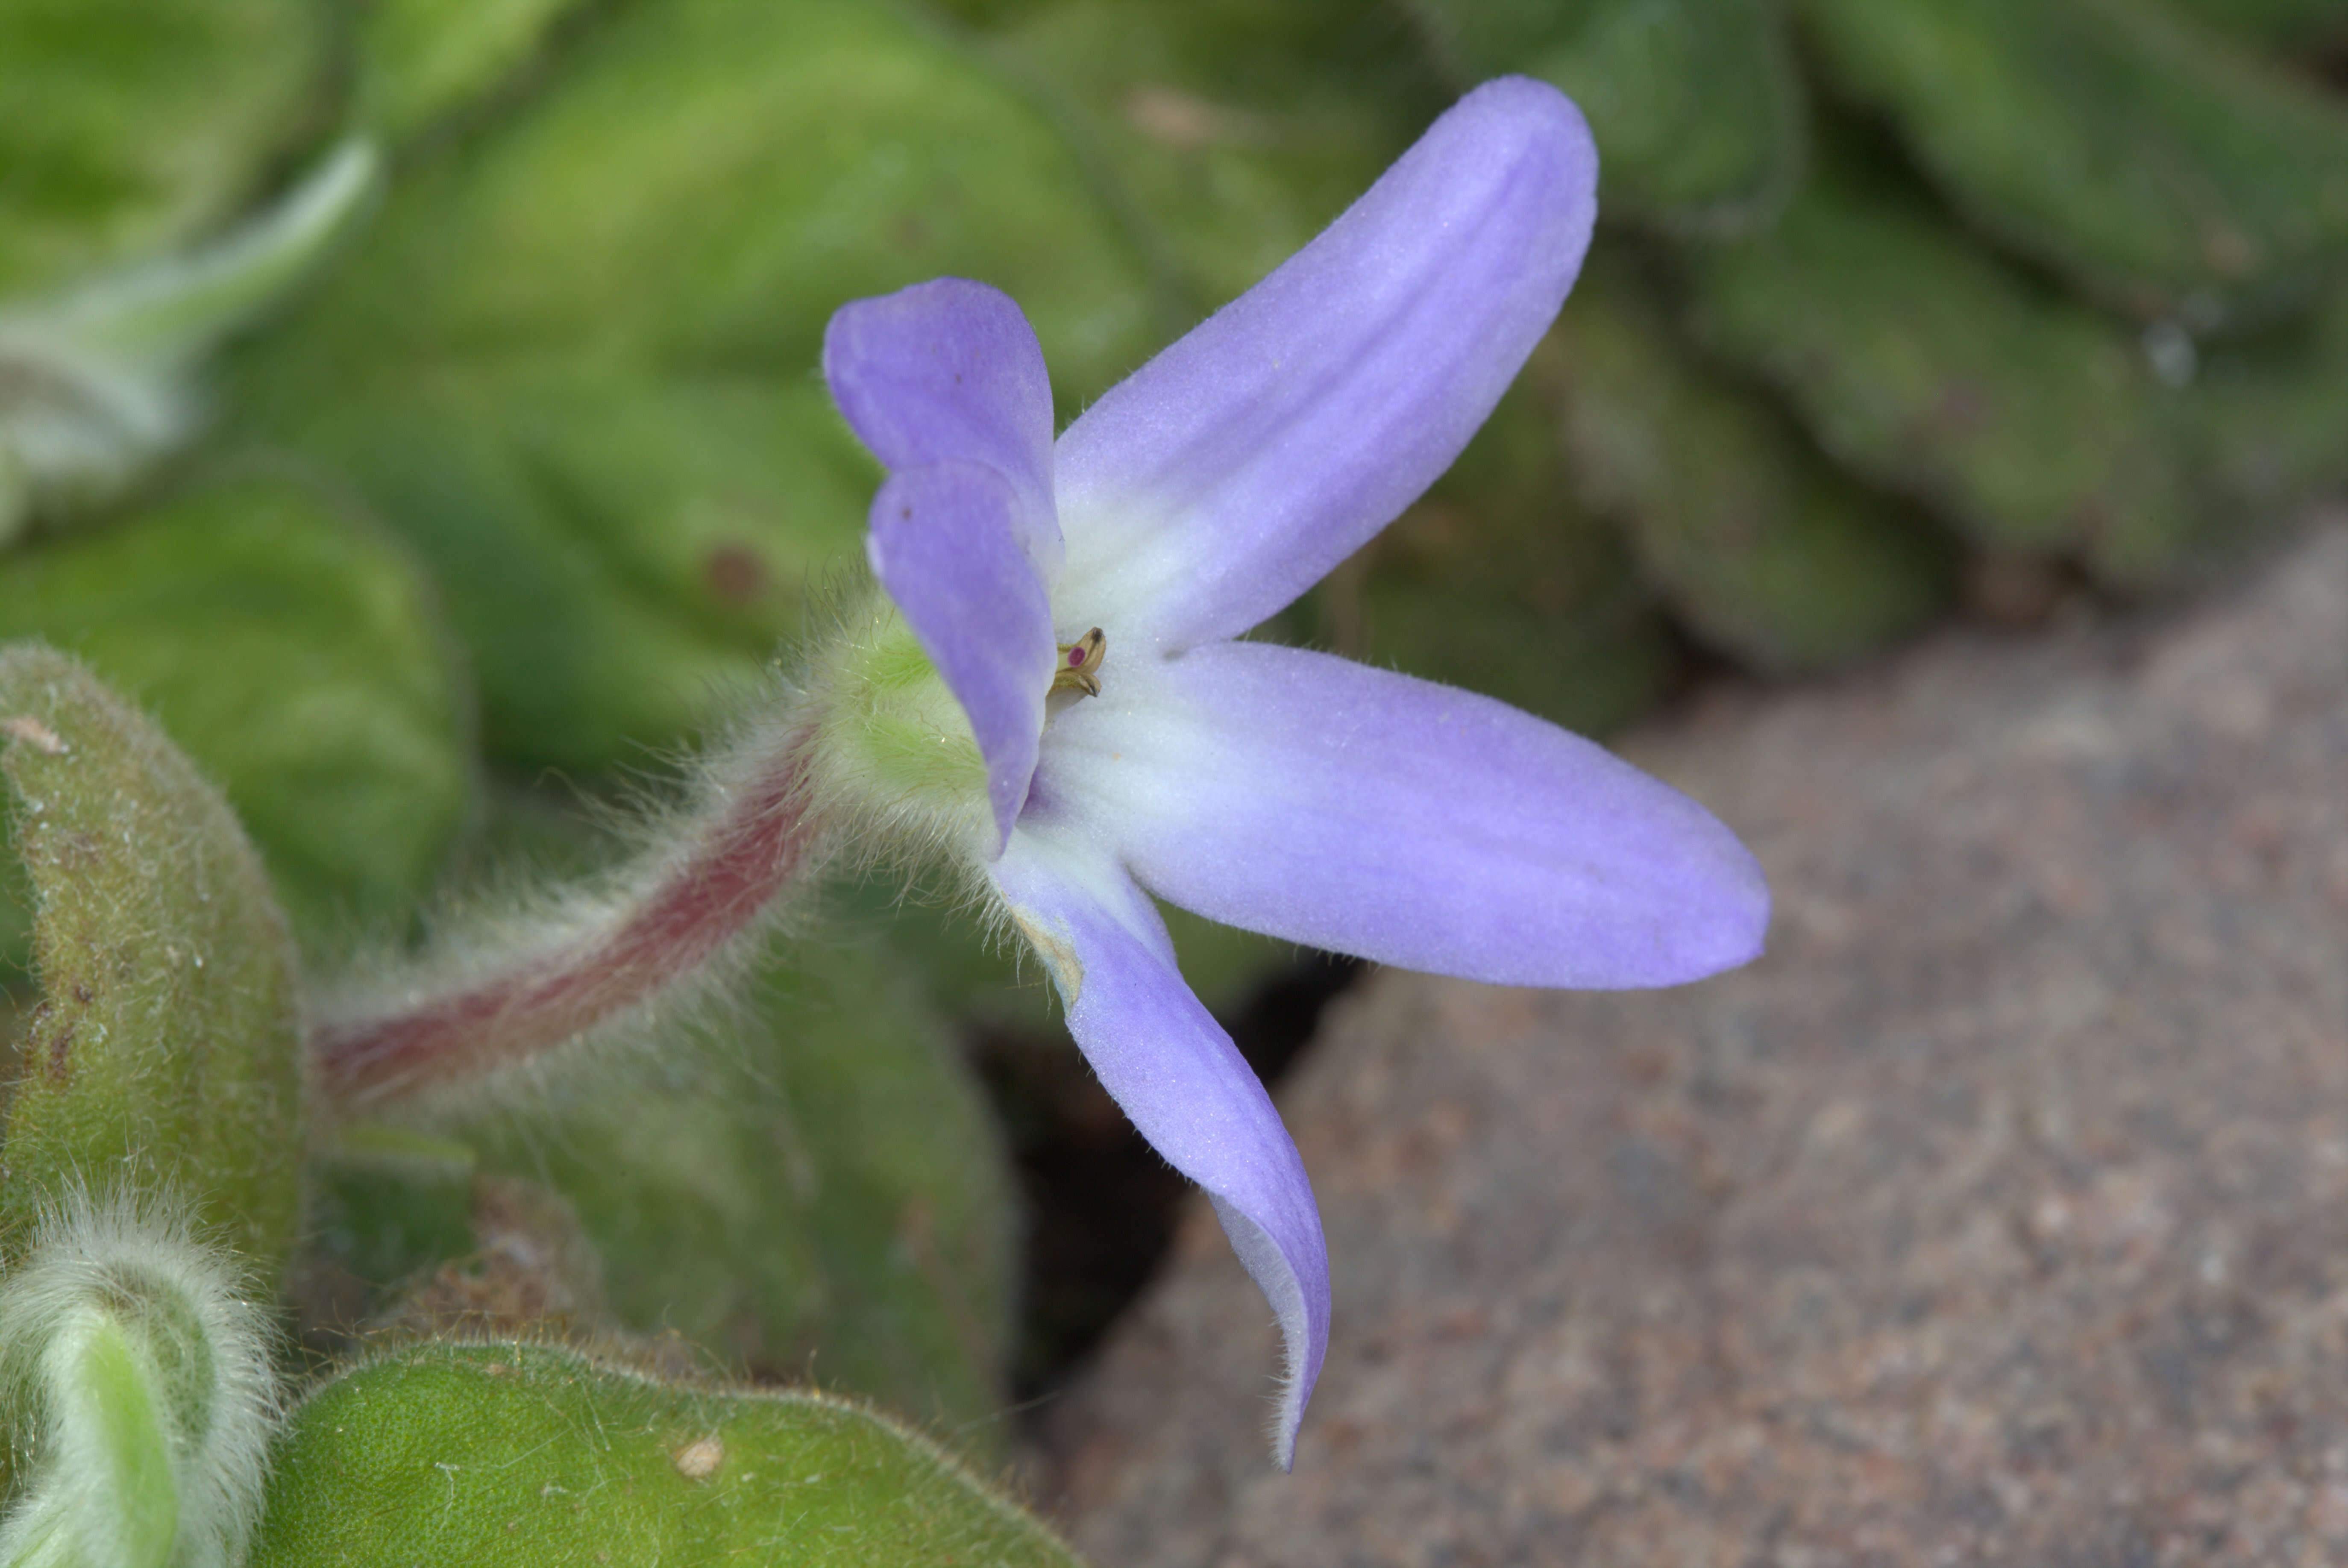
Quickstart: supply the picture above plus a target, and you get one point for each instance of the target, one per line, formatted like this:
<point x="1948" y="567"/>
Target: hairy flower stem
<point x="757" y="837"/>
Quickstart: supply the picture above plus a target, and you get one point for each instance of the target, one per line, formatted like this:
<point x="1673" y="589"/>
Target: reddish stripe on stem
<point x="745" y="855"/>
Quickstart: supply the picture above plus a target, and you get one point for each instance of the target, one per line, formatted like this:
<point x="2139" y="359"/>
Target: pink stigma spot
<point x="1083" y="658"/>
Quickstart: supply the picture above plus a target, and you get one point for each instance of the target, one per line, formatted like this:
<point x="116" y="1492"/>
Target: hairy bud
<point x="138" y="1394"/>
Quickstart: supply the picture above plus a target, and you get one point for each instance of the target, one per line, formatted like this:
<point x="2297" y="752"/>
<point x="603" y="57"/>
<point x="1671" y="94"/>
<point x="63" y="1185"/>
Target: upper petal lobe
<point x="1233" y="470"/>
<point x="951" y="371"/>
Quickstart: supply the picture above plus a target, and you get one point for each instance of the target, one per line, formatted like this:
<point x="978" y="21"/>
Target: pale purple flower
<point x="1289" y="792"/>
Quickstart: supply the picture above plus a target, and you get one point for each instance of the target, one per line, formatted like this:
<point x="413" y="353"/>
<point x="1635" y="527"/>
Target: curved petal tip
<point x="1730" y="924"/>
<point x="1186" y="1088"/>
<point x="1304" y="1320"/>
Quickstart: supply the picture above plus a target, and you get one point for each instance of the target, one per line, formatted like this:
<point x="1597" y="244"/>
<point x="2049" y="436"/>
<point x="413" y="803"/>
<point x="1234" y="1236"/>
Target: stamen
<point x="1080" y="664"/>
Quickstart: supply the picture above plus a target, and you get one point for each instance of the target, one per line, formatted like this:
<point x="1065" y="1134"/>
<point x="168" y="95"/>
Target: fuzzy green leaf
<point x="128" y="1483"/>
<point x="512" y="1456"/>
<point x="138" y="1463"/>
<point x="164" y="1053"/>
<point x="136" y="1388"/>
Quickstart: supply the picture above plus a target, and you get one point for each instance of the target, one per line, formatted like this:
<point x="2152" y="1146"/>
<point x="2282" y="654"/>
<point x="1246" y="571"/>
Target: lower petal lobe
<point x="1370" y="813"/>
<point x="1179" y="1078"/>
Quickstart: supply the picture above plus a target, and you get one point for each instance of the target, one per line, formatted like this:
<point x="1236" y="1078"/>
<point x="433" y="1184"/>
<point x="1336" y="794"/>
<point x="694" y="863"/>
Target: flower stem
<point x="682" y="910"/>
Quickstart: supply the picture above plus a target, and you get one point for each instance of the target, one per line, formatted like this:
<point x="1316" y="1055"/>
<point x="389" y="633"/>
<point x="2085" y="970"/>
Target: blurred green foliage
<point x="421" y="61"/>
<point x="2272" y="410"/>
<point x="539" y="471"/>
<point x="1696" y="104"/>
<point x="1220" y="135"/>
<point x="2281" y="24"/>
<point x="296" y="651"/>
<point x="574" y="362"/>
<point x="1767" y="552"/>
<point x="2135" y="153"/>
<point x="1935" y="368"/>
<point x="136" y="125"/>
<point x="2046" y="274"/>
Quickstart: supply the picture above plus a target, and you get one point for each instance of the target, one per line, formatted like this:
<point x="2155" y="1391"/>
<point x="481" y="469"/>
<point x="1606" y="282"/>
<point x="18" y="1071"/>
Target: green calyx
<point x="138" y="1393"/>
<point x="893" y="748"/>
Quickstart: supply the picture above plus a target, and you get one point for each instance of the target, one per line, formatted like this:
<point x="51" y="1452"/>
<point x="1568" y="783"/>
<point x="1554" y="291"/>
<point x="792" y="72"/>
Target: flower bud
<point x="894" y="751"/>
<point x="139" y="1392"/>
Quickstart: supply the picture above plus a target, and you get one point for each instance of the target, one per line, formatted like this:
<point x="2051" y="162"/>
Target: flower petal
<point x="1232" y="471"/>
<point x="1182" y="1080"/>
<point x="944" y="541"/>
<point x="1366" y="812"/>
<point x="951" y="371"/>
